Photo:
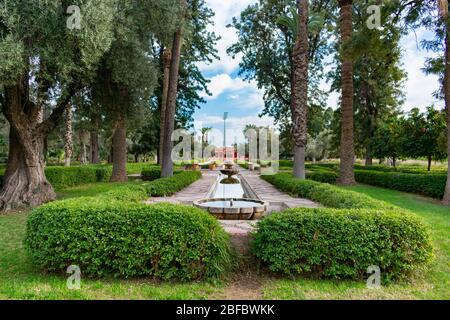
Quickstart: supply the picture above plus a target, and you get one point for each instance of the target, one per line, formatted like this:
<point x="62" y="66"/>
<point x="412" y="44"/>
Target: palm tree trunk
<point x="299" y="100"/>
<point x="347" y="158"/>
<point x="68" y="135"/>
<point x="169" y="123"/>
<point x="167" y="58"/>
<point x="446" y="199"/>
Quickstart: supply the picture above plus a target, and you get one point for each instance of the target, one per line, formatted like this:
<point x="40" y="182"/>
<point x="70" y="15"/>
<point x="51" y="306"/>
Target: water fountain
<point x="231" y="198"/>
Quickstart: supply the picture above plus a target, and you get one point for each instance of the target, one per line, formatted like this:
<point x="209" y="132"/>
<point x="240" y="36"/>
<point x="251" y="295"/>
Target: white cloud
<point x="236" y="88"/>
<point x="224" y="12"/>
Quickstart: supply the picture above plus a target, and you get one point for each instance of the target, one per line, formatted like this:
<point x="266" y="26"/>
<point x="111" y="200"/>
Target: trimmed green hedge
<point x="167" y="186"/>
<point x="63" y="177"/>
<point x="406" y="179"/>
<point x="343" y="240"/>
<point x="325" y="176"/>
<point x="326" y="194"/>
<point x="342" y="243"/>
<point x="432" y="185"/>
<point x="153" y="173"/>
<point x="127" y="239"/>
<point x="113" y="233"/>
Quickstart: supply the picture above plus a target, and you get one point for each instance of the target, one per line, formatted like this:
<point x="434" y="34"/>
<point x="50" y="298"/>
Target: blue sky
<point x="244" y="101"/>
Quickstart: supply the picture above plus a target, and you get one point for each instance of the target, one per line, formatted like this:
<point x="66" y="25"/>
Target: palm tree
<point x="68" y="135"/>
<point x="443" y="6"/>
<point x="347" y="158"/>
<point x="169" y="121"/>
<point x="204" y="132"/>
<point x="299" y="90"/>
<point x="166" y="61"/>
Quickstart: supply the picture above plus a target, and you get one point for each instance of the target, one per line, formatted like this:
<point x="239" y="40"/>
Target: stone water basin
<point x="233" y="208"/>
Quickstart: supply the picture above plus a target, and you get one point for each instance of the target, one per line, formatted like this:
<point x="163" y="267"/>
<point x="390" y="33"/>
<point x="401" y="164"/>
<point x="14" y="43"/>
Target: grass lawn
<point x="20" y="280"/>
<point x="433" y="283"/>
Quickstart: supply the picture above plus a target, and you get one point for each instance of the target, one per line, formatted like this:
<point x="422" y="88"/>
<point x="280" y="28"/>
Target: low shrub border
<point x="431" y="185"/>
<point x="127" y="240"/>
<point x="340" y="243"/>
<point x="63" y="177"/>
<point x="326" y="194"/>
<point x="353" y="232"/>
<point x="153" y="173"/>
<point x="113" y="234"/>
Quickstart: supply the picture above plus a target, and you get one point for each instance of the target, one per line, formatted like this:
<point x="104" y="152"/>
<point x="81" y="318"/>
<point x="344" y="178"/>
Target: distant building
<point x="229" y="153"/>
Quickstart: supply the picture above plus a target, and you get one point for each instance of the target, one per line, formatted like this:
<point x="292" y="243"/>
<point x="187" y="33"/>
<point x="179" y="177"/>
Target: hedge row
<point x="326" y="194"/>
<point x="432" y="185"/>
<point x="153" y="173"/>
<point x="342" y="243"/>
<point x="127" y="239"/>
<point x="354" y="232"/>
<point x="167" y="186"/>
<point x="64" y="177"/>
<point x="402" y="169"/>
<point x="113" y="234"/>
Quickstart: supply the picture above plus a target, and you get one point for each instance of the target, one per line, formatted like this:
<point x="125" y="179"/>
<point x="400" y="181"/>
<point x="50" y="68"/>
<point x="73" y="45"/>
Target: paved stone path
<point x="277" y="199"/>
<point x="238" y="229"/>
<point x="196" y="191"/>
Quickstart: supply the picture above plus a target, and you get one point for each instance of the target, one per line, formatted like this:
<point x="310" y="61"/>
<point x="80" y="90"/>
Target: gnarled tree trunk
<point x="68" y="136"/>
<point x="25" y="183"/>
<point x="347" y="157"/>
<point x="299" y="100"/>
<point x="167" y="58"/>
<point x="119" y="154"/>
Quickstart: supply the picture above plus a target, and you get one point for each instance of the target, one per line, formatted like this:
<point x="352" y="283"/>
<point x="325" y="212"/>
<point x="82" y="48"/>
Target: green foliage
<point x="325" y="176"/>
<point x="266" y="33"/>
<point x="423" y="134"/>
<point x="326" y="194"/>
<point x="432" y="185"/>
<point x="343" y="240"/>
<point x="154" y="173"/>
<point x="132" y="193"/>
<point x="62" y="177"/>
<point x="342" y="243"/>
<point x="387" y="139"/>
<point x="167" y="186"/>
<point x="151" y="173"/>
<point x="127" y="239"/>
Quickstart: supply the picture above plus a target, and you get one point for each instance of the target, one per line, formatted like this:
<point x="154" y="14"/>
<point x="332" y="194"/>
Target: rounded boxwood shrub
<point x="342" y="243"/>
<point x="132" y="192"/>
<point x="109" y="237"/>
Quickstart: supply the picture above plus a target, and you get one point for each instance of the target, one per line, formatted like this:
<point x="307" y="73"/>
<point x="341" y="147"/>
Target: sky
<point x="244" y="101"/>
